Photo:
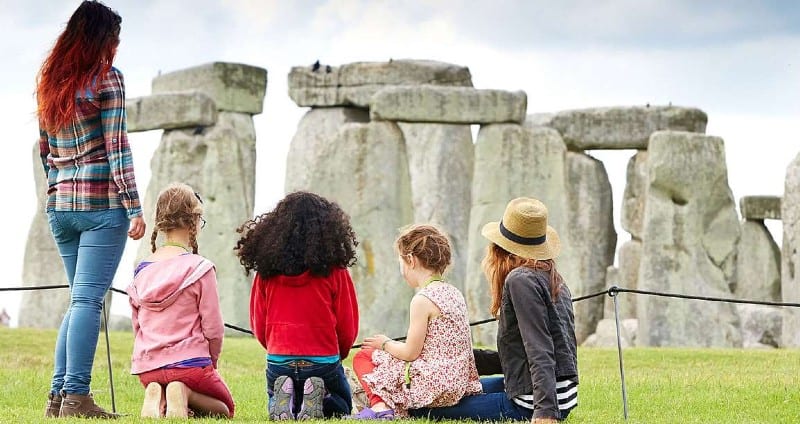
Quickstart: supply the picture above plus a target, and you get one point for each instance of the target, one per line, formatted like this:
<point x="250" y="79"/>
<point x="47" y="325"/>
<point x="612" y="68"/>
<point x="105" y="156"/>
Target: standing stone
<point x="629" y="258"/>
<point x="219" y="162"/>
<point x="634" y="196"/>
<point x="440" y="162"/>
<point x="761" y="325"/>
<point x="622" y="127"/>
<point x="234" y="87"/>
<point x="591" y="234"/>
<point x="690" y="232"/>
<point x="316" y="129"/>
<point x="43" y="265"/>
<point x="168" y="111"/>
<point x="366" y="172"/>
<point x="354" y="84"/>
<point x="790" y="263"/>
<point x="513" y="161"/>
<point x="758" y="264"/>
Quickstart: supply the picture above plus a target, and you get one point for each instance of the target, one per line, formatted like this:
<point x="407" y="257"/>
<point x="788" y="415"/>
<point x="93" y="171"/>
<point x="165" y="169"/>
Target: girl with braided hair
<point x="177" y="323"/>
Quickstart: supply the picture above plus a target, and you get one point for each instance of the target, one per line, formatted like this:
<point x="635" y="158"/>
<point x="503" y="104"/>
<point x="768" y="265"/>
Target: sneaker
<point x="313" y="392"/>
<point x="283" y="403"/>
<point x="151" y="406"/>
<point x="369" y="414"/>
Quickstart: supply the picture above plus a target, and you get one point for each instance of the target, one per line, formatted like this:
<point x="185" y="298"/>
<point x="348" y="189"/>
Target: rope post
<point x="108" y="356"/>
<point x="612" y="291"/>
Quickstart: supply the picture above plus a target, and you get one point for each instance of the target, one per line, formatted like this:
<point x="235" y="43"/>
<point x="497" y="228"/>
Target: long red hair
<point x="84" y="51"/>
<point x="498" y="263"/>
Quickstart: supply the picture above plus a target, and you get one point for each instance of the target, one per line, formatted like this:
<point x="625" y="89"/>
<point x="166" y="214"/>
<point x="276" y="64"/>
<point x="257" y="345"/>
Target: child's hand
<point x="377" y="341"/>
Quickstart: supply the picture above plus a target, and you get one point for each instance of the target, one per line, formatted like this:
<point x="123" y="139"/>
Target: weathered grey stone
<point x="606" y="333"/>
<point x="758" y="264"/>
<point x="689" y="242"/>
<point x="634" y="196"/>
<point x="453" y="105"/>
<point x="317" y="128"/>
<point x="622" y="127"/>
<point x="440" y="162"/>
<point x="629" y="257"/>
<point x="169" y="111"/>
<point x="219" y="162"/>
<point x="761" y="325"/>
<point x="790" y="262"/>
<point x="591" y="233"/>
<point x="760" y="207"/>
<point x="42" y="265"/>
<point x="354" y="84"/>
<point x="234" y="87"/>
<point x="513" y="161"/>
<point x="366" y="172"/>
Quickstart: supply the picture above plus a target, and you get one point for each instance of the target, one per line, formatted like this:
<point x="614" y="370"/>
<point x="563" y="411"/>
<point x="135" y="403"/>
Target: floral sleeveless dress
<point x="445" y="370"/>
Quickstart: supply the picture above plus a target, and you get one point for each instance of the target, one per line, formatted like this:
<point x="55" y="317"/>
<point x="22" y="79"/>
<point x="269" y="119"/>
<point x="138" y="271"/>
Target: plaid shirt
<point x="88" y="163"/>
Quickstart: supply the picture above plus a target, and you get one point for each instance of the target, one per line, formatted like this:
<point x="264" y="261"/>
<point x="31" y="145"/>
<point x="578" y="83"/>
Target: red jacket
<point x="305" y="315"/>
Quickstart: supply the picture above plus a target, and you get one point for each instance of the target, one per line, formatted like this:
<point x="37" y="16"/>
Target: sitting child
<point x="435" y="365"/>
<point x="177" y="324"/>
<point x="303" y="306"/>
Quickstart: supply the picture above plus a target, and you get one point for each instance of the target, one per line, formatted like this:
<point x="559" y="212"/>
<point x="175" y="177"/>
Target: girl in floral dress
<point x="435" y="365"/>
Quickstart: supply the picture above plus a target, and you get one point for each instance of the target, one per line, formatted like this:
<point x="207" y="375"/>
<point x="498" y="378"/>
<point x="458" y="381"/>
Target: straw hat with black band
<point x="524" y="230"/>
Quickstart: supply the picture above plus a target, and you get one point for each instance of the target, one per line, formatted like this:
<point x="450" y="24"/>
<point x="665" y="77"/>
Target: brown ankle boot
<point x="53" y="405"/>
<point x="83" y="406"/>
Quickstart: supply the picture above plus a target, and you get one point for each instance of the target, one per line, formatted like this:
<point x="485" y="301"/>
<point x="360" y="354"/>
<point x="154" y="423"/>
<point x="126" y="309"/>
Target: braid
<point x="193" y="238"/>
<point x="153" y="240"/>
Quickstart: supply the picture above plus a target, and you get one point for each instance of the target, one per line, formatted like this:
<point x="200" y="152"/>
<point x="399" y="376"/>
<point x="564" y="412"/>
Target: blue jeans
<point x="337" y="400"/>
<point x="90" y="244"/>
<point x="491" y="405"/>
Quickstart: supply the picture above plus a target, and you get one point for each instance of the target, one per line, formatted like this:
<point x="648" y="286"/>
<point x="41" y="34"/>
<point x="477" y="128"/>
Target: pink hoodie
<point x="176" y="313"/>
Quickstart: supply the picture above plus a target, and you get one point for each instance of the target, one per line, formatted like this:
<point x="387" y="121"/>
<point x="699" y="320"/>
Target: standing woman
<point x="536" y="348"/>
<point x="92" y="200"/>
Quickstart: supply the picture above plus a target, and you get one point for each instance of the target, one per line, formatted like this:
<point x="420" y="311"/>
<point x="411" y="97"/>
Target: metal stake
<point x="613" y="293"/>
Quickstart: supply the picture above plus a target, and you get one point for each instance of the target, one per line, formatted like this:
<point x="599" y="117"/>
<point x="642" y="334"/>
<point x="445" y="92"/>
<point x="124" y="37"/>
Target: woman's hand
<point x="377" y="341"/>
<point x="136" y="230"/>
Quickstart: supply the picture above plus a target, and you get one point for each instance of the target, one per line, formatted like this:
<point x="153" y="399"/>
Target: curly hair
<point x="305" y="232"/>
<point x="428" y="244"/>
<point x="178" y="206"/>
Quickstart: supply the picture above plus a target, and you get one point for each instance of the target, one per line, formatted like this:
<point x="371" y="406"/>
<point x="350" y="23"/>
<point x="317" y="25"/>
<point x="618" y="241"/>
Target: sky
<point x="737" y="60"/>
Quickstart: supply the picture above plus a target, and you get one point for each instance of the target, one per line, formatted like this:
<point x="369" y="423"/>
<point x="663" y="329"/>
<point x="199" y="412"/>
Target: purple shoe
<point x="283" y="404"/>
<point x="369" y="414"/>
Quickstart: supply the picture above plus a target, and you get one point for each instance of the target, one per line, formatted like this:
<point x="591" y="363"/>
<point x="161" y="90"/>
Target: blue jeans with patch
<point x="338" y="400"/>
<point x="90" y="244"/>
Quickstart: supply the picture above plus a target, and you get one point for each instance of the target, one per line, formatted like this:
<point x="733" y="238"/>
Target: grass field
<point x="664" y="385"/>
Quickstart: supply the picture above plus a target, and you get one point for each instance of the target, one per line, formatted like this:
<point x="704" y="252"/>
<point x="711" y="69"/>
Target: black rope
<point x="613" y="290"/>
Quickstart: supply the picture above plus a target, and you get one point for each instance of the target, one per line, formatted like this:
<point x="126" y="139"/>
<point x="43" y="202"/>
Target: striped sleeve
<point x="120" y="159"/>
<point x="44" y="149"/>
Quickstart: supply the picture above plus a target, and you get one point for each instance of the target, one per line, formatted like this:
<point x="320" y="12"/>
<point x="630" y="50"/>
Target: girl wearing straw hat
<point x="536" y="332"/>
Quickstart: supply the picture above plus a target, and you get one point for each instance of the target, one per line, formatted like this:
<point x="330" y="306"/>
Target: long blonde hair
<point x="498" y="263"/>
<point x="178" y="206"/>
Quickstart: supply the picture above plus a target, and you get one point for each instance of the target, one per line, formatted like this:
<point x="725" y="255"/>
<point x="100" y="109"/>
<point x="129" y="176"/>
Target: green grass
<point x="664" y="385"/>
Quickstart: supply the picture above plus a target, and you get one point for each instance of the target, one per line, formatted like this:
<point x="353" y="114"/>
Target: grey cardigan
<point x="536" y="339"/>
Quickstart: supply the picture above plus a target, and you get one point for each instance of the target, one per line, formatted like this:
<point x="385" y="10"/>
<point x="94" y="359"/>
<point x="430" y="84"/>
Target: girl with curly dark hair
<point x="303" y="306"/>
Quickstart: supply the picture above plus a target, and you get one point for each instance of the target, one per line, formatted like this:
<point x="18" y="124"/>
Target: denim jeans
<point x="491" y="405"/>
<point x="338" y="399"/>
<point x="90" y="244"/>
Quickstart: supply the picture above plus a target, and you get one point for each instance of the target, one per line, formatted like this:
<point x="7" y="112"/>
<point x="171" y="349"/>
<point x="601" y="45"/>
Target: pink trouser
<point x="205" y="380"/>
